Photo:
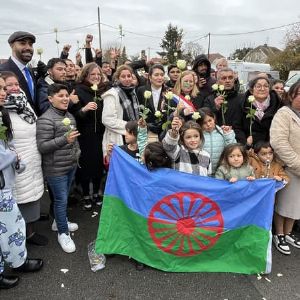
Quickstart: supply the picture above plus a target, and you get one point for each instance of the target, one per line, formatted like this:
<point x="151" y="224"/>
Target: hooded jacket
<point x="206" y="89"/>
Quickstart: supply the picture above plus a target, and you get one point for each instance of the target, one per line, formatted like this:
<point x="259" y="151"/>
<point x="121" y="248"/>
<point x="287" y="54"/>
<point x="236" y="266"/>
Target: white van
<point x="294" y="76"/>
<point x="247" y="70"/>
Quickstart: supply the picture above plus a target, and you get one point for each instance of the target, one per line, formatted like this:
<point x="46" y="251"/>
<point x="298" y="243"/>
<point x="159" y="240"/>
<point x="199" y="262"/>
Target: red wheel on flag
<point x="185" y="224"/>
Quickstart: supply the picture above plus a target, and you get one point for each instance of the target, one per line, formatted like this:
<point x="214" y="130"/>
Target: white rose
<point x="215" y="87"/>
<point x="158" y="114"/>
<point x="147" y="94"/>
<point x="251" y="99"/>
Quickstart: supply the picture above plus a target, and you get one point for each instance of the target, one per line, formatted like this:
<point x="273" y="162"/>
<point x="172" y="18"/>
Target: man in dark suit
<point x="21" y="43"/>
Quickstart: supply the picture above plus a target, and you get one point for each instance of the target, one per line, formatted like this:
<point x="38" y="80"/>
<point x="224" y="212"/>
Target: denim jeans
<point x="60" y="187"/>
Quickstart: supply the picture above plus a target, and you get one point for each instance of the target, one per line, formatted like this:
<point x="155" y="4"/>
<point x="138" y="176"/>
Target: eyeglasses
<point x="260" y="87"/>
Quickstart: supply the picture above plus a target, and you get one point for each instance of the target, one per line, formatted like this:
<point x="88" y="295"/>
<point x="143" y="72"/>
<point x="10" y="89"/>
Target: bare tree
<point x="191" y="50"/>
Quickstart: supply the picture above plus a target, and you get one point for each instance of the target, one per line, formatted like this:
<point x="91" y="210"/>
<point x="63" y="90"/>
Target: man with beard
<point x="202" y="68"/>
<point x="56" y="74"/>
<point x="21" y="43"/>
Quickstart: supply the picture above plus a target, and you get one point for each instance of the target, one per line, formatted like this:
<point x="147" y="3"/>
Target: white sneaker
<point x="71" y="226"/>
<point x="66" y="242"/>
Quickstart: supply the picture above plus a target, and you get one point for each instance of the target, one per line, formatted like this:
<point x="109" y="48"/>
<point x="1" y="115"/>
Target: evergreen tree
<point x="240" y="53"/>
<point x="172" y="42"/>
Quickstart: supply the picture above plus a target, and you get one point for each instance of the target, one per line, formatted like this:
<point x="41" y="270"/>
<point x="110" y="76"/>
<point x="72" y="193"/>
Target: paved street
<point x="120" y="280"/>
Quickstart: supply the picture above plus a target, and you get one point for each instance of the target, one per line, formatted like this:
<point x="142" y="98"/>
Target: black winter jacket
<point x="260" y="128"/>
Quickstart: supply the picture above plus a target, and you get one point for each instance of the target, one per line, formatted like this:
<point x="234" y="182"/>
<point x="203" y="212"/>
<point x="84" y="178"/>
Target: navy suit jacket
<point x="12" y="67"/>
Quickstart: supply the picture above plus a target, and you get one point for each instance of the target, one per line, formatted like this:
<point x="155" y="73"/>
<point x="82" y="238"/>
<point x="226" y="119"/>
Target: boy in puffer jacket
<point x="57" y="142"/>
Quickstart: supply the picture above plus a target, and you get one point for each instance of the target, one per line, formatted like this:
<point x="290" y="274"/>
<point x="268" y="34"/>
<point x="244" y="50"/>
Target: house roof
<point x="261" y="53"/>
<point x="214" y="56"/>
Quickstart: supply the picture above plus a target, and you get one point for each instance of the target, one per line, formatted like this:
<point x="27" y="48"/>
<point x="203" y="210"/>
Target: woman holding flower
<point x="91" y="85"/>
<point x="258" y="109"/>
<point x="154" y="100"/>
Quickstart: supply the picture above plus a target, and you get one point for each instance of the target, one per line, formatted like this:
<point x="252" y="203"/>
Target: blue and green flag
<point x="179" y="222"/>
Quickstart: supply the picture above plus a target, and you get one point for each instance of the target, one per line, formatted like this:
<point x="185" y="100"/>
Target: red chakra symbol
<point x="185" y="224"/>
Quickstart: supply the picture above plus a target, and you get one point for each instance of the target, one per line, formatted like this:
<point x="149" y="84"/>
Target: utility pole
<point x="121" y="34"/>
<point x="208" y="46"/>
<point x="99" y="28"/>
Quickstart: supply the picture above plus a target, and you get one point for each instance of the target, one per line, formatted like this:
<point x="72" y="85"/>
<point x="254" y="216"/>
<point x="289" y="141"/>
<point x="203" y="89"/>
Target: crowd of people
<point x="60" y="121"/>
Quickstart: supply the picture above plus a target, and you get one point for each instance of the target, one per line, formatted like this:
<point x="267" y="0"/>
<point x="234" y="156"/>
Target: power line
<point x="247" y="32"/>
<point x="255" y="31"/>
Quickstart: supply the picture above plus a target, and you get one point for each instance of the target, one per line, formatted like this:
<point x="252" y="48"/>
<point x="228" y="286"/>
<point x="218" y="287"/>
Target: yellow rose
<point x="147" y="94"/>
<point x="187" y="97"/>
<point x="66" y="121"/>
<point x="94" y="87"/>
<point x="221" y="87"/>
<point x="251" y="99"/>
<point x="215" y="87"/>
<point x="196" y="115"/>
<point x="169" y="95"/>
<point x="181" y="64"/>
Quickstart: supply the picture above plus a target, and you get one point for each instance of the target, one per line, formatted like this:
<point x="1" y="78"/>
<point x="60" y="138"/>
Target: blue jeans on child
<point x="60" y="187"/>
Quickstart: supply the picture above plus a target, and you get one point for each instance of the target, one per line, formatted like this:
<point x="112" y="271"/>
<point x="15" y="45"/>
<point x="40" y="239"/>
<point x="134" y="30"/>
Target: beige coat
<point x="285" y="138"/>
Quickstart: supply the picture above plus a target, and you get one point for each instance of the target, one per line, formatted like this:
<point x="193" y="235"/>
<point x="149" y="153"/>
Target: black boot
<point x="9" y="281"/>
<point x="37" y="239"/>
<point x="30" y="265"/>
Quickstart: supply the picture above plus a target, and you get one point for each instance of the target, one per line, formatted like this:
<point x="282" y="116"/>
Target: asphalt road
<point x="120" y="280"/>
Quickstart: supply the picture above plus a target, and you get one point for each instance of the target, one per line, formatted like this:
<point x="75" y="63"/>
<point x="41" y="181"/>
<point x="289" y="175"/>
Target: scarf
<point x="19" y="104"/>
<point x="130" y="106"/>
<point x="261" y="107"/>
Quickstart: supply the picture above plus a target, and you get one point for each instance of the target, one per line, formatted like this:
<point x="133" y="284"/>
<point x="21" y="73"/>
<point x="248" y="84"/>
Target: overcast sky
<point x="151" y="18"/>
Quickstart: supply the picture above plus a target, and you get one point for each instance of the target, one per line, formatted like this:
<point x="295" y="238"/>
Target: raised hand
<point x="74" y="98"/>
<point x="88" y="39"/>
<point x="66" y="48"/>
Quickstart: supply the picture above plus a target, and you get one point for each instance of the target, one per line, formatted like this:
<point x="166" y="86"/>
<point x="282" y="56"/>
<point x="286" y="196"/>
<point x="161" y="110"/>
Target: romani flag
<point x="180" y="222"/>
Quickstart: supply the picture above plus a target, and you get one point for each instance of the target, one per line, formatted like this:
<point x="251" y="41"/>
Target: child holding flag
<point x="261" y="158"/>
<point x="234" y="165"/>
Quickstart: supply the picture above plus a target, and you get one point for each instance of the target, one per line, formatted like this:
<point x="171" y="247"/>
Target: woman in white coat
<point x="120" y="106"/>
<point x="29" y="186"/>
